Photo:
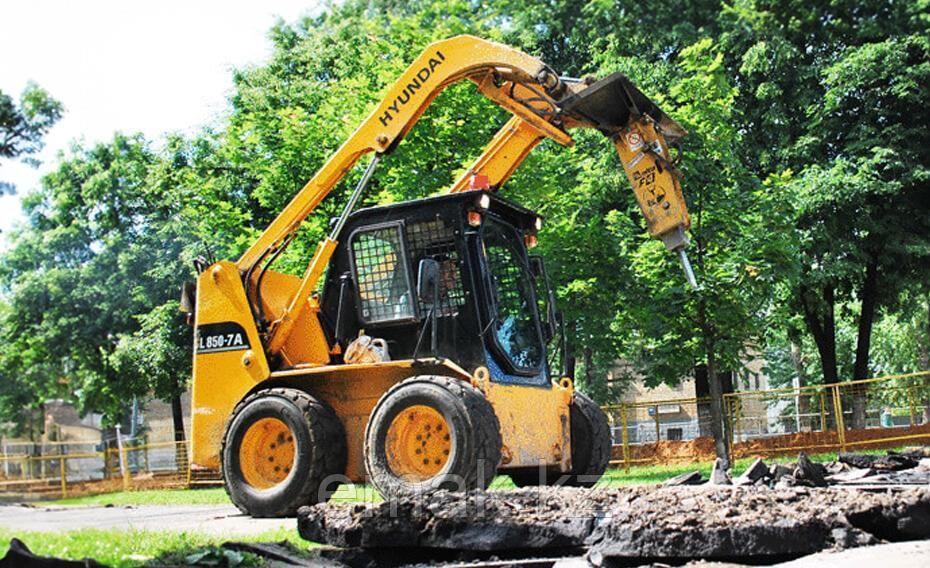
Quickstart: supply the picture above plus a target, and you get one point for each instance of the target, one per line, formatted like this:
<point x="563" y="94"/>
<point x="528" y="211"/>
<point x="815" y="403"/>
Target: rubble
<point x="716" y="523"/>
<point x="477" y="521"/>
<point x="778" y="471"/>
<point x="757" y="471"/>
<point x="903" y="468"/>
<point x="669" y="523"/>
<point x="916" y="452"/>
<point x="850" y="476"/>
<point x="770" y="514"/>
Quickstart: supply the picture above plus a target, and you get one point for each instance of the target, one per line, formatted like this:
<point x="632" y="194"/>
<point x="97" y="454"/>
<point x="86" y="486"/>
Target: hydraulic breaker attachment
<point x="641" y="133"/>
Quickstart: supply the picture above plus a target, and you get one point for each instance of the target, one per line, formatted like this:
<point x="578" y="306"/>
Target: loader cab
<point x="458" y="261"/>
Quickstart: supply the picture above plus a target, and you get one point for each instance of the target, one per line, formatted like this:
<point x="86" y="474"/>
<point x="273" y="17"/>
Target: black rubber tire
<point x="474" y="427"/>
<point x="591" y="444"/>
<point x="320" y="452"/>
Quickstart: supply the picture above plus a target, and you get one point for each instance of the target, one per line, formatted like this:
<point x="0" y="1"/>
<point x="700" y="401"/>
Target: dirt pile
<point x="641" y="524"/>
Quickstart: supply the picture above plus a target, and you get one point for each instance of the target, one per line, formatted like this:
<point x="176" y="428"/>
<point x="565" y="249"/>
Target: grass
<point x="210" y="496"/>
<point x="120" y="548"/>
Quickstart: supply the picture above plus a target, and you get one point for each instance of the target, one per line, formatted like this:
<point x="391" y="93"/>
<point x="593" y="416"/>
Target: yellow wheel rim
<point x="266" y="454"/>
<point x="418" y="443"/>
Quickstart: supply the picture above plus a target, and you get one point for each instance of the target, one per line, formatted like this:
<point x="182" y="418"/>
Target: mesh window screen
<point x="435" y="239"/>
<point x="382" y="276"/>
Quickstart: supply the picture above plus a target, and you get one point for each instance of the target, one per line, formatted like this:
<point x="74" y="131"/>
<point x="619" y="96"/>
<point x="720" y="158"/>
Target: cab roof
<point x="467" y="200"/>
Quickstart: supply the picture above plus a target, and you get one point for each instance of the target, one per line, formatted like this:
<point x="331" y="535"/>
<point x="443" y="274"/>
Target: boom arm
<point x="543" y="106"/>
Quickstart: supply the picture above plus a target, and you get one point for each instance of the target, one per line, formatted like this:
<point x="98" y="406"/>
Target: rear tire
<point x="429" y="433"/>
<point x="591" y="444"/>
<point x="280" y="451"/>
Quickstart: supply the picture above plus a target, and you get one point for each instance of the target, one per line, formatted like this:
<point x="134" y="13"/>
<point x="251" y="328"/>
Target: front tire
<point x="591" y="444"/>
<point x="429" y="433"/>
<point x="280" y="451"/>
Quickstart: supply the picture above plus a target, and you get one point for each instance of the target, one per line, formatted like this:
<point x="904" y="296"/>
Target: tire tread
<point x="326" y="432"/>
<point x="480" y="414"/>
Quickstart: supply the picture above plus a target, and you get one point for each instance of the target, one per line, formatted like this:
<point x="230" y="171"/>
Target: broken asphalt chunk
<point x="809" y="472"/>
<point x="690" y="478"/>
<point x="719" y="475"/>
<point x="531" y="518"/>
<point x="778" y="471"/>
<point x="756" y="471"/>
<point x="851" y="476"/>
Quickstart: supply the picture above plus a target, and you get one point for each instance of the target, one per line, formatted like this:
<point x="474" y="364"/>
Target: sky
<point x="151" y="67"/>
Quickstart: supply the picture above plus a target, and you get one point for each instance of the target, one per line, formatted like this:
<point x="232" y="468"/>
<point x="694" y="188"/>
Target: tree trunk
<point x="589" y="368"/>
<point x="868" y="299"/>
<point x="713" y="384"/>
<point x="39" y="433"/>
<point x="923" y="342"/>
<point x="923" y="346"/>
<point x="702" y="390"/>
<point x="822" y="327"/>
<point x="803" y="399"/>
<point x="177" y="416"/>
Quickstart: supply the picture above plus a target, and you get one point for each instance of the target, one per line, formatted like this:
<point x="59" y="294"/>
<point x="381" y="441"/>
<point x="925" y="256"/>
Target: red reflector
<point x="474" y="218"/>
<point x="530" y="241"/>
<point x="479" y="181"/>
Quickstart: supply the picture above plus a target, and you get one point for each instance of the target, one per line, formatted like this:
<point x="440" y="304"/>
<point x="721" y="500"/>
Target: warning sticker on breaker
<point x="634" y="140"/>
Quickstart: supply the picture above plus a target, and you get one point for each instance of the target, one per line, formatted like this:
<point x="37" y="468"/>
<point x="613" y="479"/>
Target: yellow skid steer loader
<point x="421" y="363"/>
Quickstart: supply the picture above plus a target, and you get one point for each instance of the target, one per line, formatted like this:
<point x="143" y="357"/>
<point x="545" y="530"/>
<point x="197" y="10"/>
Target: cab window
<point x="382" y="276"/>
<point x="515" y="327"/>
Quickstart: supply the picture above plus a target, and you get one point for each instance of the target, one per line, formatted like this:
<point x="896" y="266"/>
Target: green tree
<point x="96" y="251"/>
<point x="24" y="125"/>
<point x="833" y="92"/>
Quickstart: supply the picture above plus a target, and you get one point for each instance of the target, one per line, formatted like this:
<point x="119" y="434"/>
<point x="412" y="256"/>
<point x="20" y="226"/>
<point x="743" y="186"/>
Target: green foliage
<point x="129" y="548"/>
<point x="656" y="317"/>
<point x="23" y="126"/>
<point x="829" y="101"/>
<point x="100" y="250"/>
<point x="158" y="354"/>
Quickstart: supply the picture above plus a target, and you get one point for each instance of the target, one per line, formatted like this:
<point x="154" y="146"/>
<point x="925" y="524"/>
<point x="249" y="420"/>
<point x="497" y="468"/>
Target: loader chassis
<point x="489" y="328"/>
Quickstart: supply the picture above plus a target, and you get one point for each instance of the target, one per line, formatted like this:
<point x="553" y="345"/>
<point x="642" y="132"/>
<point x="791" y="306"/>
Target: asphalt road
<point x="221" y="520"/>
